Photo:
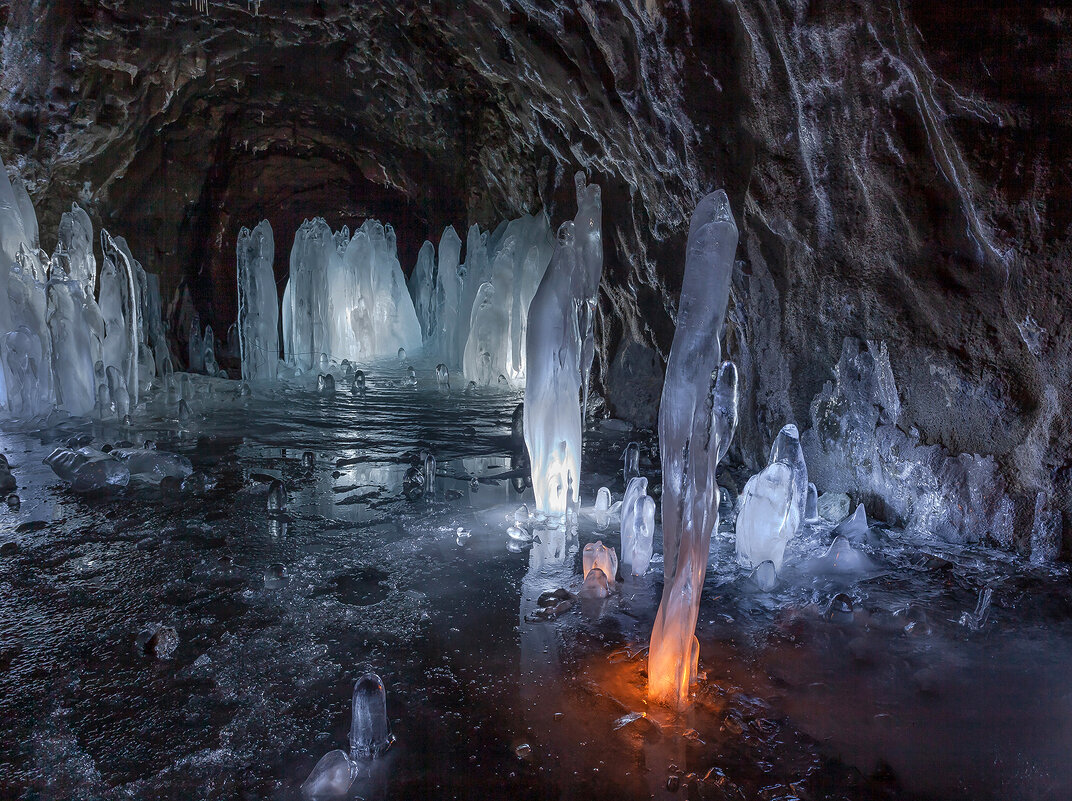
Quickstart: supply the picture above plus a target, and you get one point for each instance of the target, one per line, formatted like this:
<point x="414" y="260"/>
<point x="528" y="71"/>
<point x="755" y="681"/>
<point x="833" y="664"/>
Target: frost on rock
<point x="258" y="304"/>
<point x="769" y="516"/>
<point x="855" y="446"/>
<point x="555" y="356"/>
<point x="697" y="392"/>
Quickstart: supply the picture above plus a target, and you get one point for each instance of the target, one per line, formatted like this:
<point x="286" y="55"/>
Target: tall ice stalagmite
<point x="556" y="354"/>
<point x="258" y="304"/>
<point x="698" y="396"/>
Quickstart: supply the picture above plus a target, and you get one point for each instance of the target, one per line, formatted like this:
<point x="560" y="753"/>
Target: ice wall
<point x="258" y="304"/>
<point x="698" y="394"/>
<point x="555" y="357"/>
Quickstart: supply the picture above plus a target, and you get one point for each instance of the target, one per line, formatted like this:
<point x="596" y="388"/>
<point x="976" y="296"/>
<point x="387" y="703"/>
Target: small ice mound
<point x="14" y="502"/>
<point x="811" y="506"/>
<point x="331" y="778"/>
<point x="840" y="557"/>
<point x="413" y="483"/>
<point x="277" y="497"/>
<point x="462" y="536"/>
<point x="518" y="534"/>
<point x="596" y="555"/>
<point x="308" y="460"/>
<point x="839" y="610"/>
<point x="370" y="730"/>
<point x="325" y="384"/>
<point x="855" y="527"/>
<point x="602" y="500"/>
<point x="358" y="387"/>
<point x="765" y="576"/>
<point x="275" y="576"/>
<point x="595" y="586"/>
<point x="769" y="516"/>
<point x="832" y="506"/>
<point x="100" y="474"/>
<point x="158" y="641"/>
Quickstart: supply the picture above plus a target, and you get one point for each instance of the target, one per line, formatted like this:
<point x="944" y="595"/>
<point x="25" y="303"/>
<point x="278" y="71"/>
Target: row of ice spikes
<point x="251" y="5"/>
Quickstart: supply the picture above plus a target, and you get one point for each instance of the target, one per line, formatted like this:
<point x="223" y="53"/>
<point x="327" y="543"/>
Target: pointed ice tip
<point x="790" y="430"/>
<point x="713" y="208"/>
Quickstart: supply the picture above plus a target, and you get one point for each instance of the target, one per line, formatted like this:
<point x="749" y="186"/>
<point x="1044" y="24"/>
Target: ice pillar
<point x="697" y="395"/>
<point x="258" y="304"/>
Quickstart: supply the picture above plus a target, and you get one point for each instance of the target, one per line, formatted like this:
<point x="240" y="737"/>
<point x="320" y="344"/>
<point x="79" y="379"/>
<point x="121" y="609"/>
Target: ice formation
<point x="370" y="730"/>
<point x="637" y="526"/>
<point x="854" y="527"/>
<point x="598" y="555"/>
<point x="331" y="777"/>
<point x="698" y="395"/>
<point x="769" y="516"/>
<point x="258" y="304"/>
<point x="63" y="329"/>
<point x="558" y="358"/>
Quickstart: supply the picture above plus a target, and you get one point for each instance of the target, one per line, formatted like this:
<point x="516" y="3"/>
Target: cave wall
<point x="899" y="172"/>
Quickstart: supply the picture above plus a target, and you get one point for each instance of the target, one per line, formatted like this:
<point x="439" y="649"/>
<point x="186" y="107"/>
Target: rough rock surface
<point x="899" y="171"/>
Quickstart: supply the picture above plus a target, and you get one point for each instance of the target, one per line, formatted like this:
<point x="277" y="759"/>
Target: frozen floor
<point x="895" y="699"/>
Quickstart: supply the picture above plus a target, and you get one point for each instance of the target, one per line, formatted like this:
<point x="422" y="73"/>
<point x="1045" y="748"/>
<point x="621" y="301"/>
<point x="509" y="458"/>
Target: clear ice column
<point x="698" y="394"/>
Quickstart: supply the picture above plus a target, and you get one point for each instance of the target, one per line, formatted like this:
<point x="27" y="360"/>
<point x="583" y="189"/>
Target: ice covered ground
<point x="859" y="676"/>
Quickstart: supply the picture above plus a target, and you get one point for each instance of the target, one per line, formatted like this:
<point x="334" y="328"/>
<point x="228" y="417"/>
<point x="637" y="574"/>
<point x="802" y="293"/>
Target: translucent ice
<point x="855" y="527"/>
<point x="277" y="496"/>
<point x="602" y="500"/>
<point x="786" y="448"/>
<point x="832" y="506"/>
<point x="487" y="348"/>
<point x="696" y="391"/>
<point x="331" y="778"/>
<point x="370" y="730"/>
<point x="765" y="576"/>
<point x="769" y="516"/>
<point x="631" y="462"/>
<point x="811" y="506"/>
<point x="258" y="304"/>
<point x="841" y="557"/>
<point x="422" y="289"/>
<point x="638" y="535"/>
<point x="596" y="554"/>
<point x="555" y="362"/>
<point x="596" y="585"/>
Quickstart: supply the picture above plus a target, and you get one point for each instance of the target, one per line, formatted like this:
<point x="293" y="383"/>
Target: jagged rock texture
<point x="899" y="172"/>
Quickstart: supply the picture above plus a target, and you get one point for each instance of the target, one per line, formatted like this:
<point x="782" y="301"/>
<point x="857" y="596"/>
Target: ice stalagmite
<point x="696" y="395"/>
<point x="589" y="237"/>
<point x="119" y="306"/>
<point x="75" y="326"/>
<point x="258" y="304"/>
<point x="554" y="344"/>
<point x="74" y="248"/>
<point x="448" y="292"/>
<point x="422" y="289"/>
<point x="769" y="516"/>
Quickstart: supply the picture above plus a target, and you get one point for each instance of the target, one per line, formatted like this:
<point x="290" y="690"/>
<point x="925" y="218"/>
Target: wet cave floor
<point x="886" y="691"/>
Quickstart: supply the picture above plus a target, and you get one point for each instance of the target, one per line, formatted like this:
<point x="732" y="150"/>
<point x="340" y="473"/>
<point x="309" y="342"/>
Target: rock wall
<point x="899" y="171"/>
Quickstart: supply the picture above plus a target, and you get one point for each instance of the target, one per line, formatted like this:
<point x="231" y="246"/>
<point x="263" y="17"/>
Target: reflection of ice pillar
<point x="550" y="567"/>
<point x="695" y="419"/>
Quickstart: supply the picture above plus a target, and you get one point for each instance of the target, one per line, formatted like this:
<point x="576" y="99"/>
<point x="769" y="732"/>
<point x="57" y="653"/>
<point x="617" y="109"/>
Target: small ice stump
<point x="442" y="375"/>
<point x="401" y="355"/>
<point x="833" y="506"/>
<point x="631" y="462"/>
<point x="14" y="502"/>
<point x="331" y="778"/>
<point x="277" y="497"/>
<point x="518" y="534"/>
<point x="325" y="384"/>
<point x="595" y="585"/>
<point x="308" y="460"/>
<point x="855" y="527"/>
<point x="811" y="507"/>
<point x="359" y="382"/>
<point x="602" y="500"/>
<point x="765" y="576"/>
<point x="637" y="527"/>
<point x="841" y="557"/>
<point x="598" y="555"/>
<point x="370" y="731"/>
<point x="768" y="517"/>
<point x="413" y="483"/>
<point x="462" y="536"/>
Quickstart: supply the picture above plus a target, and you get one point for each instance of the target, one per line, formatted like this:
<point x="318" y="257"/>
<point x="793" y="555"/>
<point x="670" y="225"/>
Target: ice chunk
<point x="697" y="396"/>
<point x="557" y="360"/>
<point x="841" y="557"/>
<point x="786" y="448"/>
<point x="258" y="304"/>
<point x="631" y="462"/>
<point x="422" y="289"/>
<point x="154" y="465"/>
<point x="331" y="778"/>
<point x="596" y="554"/>
<point x="855" y="527"/>
<point x="65" y="462"/>
<point x="602" y="500"/>
<point x="638" y="535"/>
<point x="442" y="375"/>
<point x="768" y="517"/>
<point x="277" y="496"/>
<point x="811" y="507"/>
<point x="765" y="576"/>
<point x="370" y="731"/>
<point x="325" y="384"/>
<point x="595" y="585"/>
<point x="833" y="506"/>
<point x="98" y="474"/>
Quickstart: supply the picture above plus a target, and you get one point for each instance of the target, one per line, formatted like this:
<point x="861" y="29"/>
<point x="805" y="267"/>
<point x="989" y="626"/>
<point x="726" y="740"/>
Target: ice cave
<point x="526" y="400"/>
